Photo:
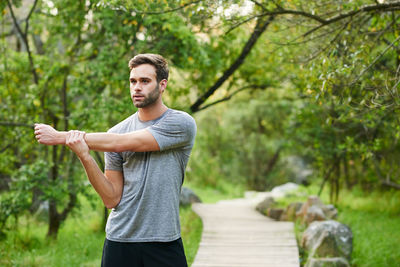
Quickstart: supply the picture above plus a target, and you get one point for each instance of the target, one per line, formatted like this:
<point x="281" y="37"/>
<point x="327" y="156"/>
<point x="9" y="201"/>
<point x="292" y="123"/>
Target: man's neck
<point x="152" y="113"/>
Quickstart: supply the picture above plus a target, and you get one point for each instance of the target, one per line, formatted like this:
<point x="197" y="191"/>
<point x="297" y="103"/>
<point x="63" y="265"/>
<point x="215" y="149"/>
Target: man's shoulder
<point x="180" y="115"/>
<point x="178" y="120"/>
<point x="122" y="126"/>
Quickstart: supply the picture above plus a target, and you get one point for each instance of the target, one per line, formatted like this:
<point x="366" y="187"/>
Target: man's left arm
<point x="137" y="141"/>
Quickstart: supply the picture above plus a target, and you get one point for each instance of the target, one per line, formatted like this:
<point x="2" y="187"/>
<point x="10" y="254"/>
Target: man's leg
<point x="164" y="254"/>
<point x="118" y="254"/>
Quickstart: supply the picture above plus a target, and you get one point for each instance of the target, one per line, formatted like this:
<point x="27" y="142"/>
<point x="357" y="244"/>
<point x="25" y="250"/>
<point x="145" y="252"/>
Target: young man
<point x="145" y="160"/>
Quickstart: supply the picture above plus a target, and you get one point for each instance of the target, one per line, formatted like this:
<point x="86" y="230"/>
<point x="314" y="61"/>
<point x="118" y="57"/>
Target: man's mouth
<point x="138" y="97"/>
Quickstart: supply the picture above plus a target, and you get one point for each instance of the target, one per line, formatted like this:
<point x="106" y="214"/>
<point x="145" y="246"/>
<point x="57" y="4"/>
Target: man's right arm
<point x="108" y="185"/>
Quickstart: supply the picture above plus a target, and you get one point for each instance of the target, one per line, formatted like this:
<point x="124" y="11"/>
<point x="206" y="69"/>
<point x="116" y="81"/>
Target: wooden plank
<point x="236" y="235"/>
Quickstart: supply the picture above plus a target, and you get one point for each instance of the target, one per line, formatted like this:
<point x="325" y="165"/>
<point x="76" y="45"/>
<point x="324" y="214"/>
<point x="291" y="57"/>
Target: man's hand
<point x="47" y="135"/>
<point x="75" y="140"/>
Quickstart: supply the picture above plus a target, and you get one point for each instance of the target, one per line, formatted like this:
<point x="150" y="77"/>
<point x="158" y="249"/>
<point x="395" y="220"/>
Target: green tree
<point x="65" y="63"/>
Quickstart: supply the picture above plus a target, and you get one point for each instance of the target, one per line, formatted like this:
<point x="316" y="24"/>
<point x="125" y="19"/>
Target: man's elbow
<point x="119" y="147"/>
<point x="133" y="147"/>
<point x="110" y="204"/>
<point x="124" y="145"/>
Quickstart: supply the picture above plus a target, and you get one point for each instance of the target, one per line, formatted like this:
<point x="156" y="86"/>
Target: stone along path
<point x="235" y="234"/>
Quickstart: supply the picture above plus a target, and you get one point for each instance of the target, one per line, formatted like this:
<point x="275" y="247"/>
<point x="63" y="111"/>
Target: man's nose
<point x="137" y="87"/>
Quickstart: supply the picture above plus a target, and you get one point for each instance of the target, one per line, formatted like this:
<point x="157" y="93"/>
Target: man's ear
<point x="163" y="85"/>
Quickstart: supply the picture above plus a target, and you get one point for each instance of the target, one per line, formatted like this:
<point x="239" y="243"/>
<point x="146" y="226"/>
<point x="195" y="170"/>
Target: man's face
<point x="144" y="88"/>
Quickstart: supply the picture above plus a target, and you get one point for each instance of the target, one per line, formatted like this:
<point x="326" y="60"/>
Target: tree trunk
<point x="272" y="162"/>
<point x="346" y="172"/>
<point x="54" y="220"/>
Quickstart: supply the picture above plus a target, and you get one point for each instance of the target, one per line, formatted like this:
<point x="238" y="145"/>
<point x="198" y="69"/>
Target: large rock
<point x="311" y="201"/>
<point x="328" y="239"/>
<point x="188" y="197"/>
<point x="264" y="205"/>
<point x="330" y="211"/>
<point x="275" y="213"/>
<point x="314" y="213"/>
<point x="327" y="262"/>
<point x="282" y="190"/>
<point x="291" y="210"/>
<point x="314" y="210"/>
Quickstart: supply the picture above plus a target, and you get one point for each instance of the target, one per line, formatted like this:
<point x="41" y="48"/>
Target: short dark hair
<point x="157" y="61"/>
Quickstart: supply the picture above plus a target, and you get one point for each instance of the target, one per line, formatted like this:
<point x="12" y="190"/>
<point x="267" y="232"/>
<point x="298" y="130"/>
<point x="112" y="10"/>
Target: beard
<point x="150" y="99"/>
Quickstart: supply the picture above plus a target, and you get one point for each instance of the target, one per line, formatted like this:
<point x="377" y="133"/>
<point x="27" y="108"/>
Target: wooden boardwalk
<point x="235" y="234"/>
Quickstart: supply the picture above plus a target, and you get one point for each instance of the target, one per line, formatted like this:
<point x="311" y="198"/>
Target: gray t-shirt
<point x="149" y="207"/>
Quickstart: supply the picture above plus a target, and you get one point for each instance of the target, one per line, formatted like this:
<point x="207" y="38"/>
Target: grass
<point x="191" y="229"/>
<point x="374" y="218"/>
<point x="220" y="191"/>
<point x="79" y="243"/>
<point x="80" y="239"/>
<point x="376" y="237"/>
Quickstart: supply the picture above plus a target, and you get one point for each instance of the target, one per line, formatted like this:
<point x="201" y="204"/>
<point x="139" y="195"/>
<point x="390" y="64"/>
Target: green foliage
<point x="375" y="237"/>
<point x="18" y="199"/>
<point x="348" y="124"/>
<point x="80" y="241"/>
<point x="191" y="230"/>
<point x="328" y="93"/>
<point x="212" y="193"/>
<point x="373" y="218"/>
<point x="76" y="76"/>
<point x="244" y="142"/>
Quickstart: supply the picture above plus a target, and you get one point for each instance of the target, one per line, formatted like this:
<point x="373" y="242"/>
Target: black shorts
<point x="143" y="254"/>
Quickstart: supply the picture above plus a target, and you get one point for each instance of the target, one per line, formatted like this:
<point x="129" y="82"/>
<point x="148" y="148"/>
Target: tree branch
<point x="16" y="24"/>
<point x="294" y="12"/>
<point x="390" y="183"/>
<point x="258" y="30"/>
<point x="259" y="4"/>
<point x="323" y="49"/>
<point x="366" y="8"/>
<point x="383" y="181"/>
<point x="66" y="112"/>
<point x="16" y="124"/>
<point x="374" y="61"/>
<point x="323" y="22"/>
<point x="241" y="23"/>
<point x="5" y="148"/>
<point x="29" y="16"/>
<point x="165" y="11"/>
<point x="25" y="38"/>
<point x="254" y="86"/>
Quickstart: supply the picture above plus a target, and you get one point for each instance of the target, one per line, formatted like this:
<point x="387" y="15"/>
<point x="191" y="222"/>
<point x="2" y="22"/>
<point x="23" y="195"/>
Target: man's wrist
<point x="62" y="137"/>
<point x="85" y="157"/>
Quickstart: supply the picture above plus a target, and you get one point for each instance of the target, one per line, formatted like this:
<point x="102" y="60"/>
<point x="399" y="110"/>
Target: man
<point x="145" y="160"/>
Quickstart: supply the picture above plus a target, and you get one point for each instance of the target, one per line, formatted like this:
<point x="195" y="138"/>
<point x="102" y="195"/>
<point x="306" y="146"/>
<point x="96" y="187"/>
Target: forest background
<point x="273" y="85"/>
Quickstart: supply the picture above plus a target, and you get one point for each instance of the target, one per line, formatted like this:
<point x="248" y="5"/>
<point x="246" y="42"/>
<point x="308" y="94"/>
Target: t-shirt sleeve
<point x="113" y="161"/>
<point x="174" y="131"/>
